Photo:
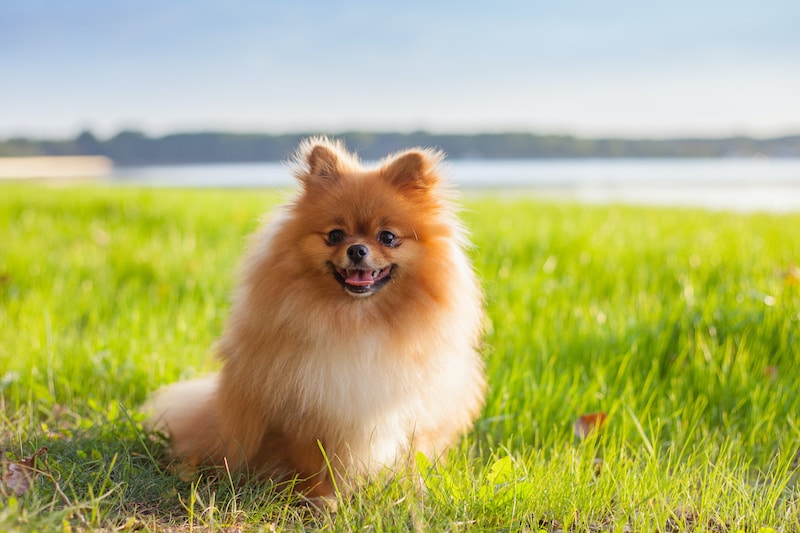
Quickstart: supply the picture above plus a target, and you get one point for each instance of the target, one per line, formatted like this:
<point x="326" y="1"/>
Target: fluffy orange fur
<point x="354" y="329"/>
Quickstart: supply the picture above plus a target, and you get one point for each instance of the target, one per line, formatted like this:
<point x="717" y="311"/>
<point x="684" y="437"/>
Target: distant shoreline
<point x="130" y="148"/>
<point x="70" y="167"/>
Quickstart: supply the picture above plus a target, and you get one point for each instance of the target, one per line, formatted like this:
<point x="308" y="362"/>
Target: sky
<point x="623" y="68"/>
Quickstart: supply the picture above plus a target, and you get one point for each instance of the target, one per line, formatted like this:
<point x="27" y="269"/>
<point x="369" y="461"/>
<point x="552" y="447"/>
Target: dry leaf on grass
<point x="18" y="476"/>
<point x="771" y="373"/>
<point x="589" y="422"/>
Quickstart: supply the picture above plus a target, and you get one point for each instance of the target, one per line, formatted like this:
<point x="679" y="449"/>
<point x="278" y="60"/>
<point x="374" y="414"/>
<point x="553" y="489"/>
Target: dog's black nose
<point x="357" y="252"/>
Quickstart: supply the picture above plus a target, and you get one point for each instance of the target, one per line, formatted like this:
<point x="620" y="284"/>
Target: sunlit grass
<point x="682" y="325"/>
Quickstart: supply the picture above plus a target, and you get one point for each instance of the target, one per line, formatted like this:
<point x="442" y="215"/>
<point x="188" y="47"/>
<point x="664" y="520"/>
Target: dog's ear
<point x="319" y="161"/>
<point x="413" y="170"/>
<point x="323" y="162"/>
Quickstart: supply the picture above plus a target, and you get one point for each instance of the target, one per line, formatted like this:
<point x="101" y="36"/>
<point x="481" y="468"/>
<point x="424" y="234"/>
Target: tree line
<point x="136" y="148"/>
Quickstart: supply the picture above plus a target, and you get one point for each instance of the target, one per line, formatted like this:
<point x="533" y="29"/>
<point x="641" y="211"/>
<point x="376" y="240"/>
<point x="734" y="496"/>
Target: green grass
<point x="682" y="325"/>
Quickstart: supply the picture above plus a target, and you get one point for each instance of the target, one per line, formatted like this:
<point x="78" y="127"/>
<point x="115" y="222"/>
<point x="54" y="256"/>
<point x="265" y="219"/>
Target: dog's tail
<point x="185" y="412"/>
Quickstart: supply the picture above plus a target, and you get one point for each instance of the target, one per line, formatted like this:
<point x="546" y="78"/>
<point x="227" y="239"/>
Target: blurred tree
<point x="87" y="144"/>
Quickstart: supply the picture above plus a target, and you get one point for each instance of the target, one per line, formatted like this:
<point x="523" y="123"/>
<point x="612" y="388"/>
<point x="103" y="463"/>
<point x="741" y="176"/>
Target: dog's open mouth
<point x="362" y="281"/>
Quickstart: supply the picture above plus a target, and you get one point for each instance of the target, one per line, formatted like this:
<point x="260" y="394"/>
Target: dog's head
<point x="363" y="230"/>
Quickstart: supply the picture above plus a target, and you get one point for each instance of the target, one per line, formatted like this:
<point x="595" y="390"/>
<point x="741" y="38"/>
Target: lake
<point x="728" y="183"/>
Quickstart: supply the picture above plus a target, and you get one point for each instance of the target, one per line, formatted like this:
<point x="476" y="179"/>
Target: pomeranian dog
<point x="352" y="341"/>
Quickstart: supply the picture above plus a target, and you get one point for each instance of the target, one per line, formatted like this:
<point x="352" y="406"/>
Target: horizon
<point x="341" y="133"/>
<point x="628" y="71"/>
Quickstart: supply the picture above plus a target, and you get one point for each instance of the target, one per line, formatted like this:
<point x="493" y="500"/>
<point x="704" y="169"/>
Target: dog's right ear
<point x="323" y="162"/>
<point x="317" y="161"/>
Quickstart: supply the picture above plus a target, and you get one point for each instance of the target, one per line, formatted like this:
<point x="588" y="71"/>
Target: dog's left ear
<point x="413" y="170"/>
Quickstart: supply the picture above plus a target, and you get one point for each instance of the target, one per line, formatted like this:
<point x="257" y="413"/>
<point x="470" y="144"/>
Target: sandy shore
<point x="67" y="167"/>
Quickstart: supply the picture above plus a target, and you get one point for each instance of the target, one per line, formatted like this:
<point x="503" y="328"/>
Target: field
<point x="682" y="326"/>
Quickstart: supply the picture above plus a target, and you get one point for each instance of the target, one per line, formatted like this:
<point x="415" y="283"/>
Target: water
<point x="740" y="184"/>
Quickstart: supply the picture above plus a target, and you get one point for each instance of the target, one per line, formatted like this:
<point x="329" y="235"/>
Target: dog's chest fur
<point x="368" y="392"/>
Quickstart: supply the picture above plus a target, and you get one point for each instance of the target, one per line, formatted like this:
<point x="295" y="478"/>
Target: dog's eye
<point x="335" y="236"/>
<point x="387" y="238"/>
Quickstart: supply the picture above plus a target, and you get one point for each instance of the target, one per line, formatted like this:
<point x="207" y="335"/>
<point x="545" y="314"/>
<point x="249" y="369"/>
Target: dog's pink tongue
<point x="360" y="278"/>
